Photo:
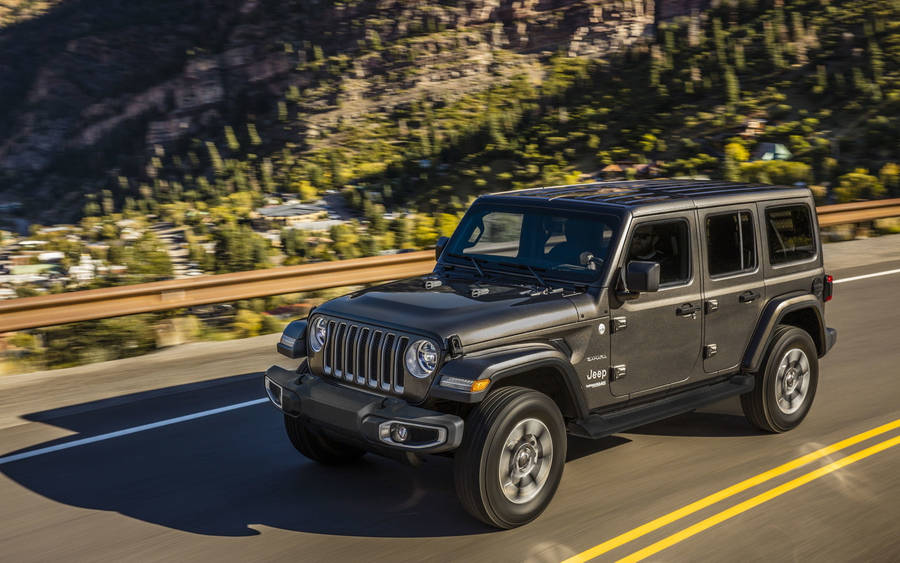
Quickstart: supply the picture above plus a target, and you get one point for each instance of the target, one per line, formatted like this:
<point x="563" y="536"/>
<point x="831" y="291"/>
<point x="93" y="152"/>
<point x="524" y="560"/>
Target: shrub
<point x="776" y="172"/>
<point x="858" y="185"/>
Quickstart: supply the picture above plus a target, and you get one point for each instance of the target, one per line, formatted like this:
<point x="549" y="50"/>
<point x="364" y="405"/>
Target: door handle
<point x="748" y="296"/>
<point x="687" y="310"/>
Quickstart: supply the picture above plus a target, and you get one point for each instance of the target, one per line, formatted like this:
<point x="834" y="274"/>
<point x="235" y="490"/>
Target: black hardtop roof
<point x="648" y="196"/>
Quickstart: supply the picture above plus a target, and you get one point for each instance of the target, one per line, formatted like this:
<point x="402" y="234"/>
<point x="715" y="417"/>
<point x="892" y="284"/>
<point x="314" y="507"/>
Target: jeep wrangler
<point x="583" y="310"/>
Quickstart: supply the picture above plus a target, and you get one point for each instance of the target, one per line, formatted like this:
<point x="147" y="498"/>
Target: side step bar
<point x="606" y="424"/>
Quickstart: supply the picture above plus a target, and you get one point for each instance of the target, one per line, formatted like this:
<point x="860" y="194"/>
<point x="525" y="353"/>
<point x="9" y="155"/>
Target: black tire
<point x="311" y="442"/>
<point x="477" y="462"/>
<point x="761" y="406"/>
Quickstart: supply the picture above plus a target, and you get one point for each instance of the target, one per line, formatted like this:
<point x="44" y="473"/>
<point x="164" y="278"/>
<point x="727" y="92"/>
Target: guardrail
<point x="859" y="212"/>
<point x="46" y="310"/>
<point x="90" y="304"/>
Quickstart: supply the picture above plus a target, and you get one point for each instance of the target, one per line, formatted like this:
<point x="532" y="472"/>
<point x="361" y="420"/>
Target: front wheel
<point x="511" y="458"/>
<point x="786" y="385"/>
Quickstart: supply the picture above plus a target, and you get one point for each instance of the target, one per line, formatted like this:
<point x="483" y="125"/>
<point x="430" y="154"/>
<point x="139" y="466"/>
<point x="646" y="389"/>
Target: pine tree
<point x="876" y="62"/>
<point x="732" y="86"/>
<point x="730" y="169"/>
<point x="231" y="139"/>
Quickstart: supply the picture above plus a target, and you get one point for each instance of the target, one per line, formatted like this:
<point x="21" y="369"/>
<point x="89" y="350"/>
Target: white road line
<point x="127" y="431"/>
<point x="875" y="275"/>
<point x="185" y="418"/>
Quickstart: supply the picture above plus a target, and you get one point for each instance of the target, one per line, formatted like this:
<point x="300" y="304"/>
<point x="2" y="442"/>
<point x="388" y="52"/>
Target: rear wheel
<point x="314" y="444"/>
<point x="511" y="458"/>
<point x="786" y="385"/>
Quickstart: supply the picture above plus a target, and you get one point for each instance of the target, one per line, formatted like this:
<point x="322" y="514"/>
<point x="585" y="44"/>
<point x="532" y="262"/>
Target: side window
<point x="665" y="242"/>
<point x="790" y="234"/>
<point x="730" y="243"/>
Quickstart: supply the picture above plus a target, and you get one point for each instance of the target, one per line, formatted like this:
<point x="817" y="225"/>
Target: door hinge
<point x="712" y="305"/>
<point x="710" y="350"/>
<point x="619" y="324"/>
<point x="618" y="372"/>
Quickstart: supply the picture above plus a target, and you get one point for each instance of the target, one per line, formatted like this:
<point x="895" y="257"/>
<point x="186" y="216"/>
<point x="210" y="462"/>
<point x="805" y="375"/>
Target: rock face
<point x="674" y="8"/>
<point x="90" y="88"/>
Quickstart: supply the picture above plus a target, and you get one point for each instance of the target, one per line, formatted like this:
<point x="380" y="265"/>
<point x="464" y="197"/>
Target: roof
<point x="656" y="195"/>
<point x="771" y="151"/>
<point x="290" y="210"/>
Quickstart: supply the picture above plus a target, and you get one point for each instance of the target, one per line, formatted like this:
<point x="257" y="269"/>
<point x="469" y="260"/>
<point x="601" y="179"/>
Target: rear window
<point x="730" y="244"/>
<point x="790" y="234"/>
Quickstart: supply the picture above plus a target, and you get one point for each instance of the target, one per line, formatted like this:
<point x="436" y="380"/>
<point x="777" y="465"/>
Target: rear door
<point x="734" y="290"/>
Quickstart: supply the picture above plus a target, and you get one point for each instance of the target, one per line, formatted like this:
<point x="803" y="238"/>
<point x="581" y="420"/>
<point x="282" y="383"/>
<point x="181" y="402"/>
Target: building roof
<point x="771" y="151"/>
<point x="290" y="210"/>
<point x="655" y="195"/>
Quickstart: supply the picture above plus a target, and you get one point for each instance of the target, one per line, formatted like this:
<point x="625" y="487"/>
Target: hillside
<point x="161" y="127"/>
<point x="139" y="106"/>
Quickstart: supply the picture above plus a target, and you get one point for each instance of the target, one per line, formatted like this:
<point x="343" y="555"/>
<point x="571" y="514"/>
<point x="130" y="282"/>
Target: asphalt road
<point x="229" y="487"/>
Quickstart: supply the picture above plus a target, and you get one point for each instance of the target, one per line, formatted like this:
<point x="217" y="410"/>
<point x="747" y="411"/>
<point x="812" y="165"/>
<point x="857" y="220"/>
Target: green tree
<point x="402" y="231"/>
<point x="737" y="152"/>
<point x="247" y="323"/>
<point x="238" y="248"/>
<point x="776" y="172"/>
<point x="730" y="170"/>
<point x="445" y="224"/>
<point x="858" y="185"/>
<point x="231" y="139"/>
<point x="732" y="86"/>
<point x="345" y="241"/>
<point x="890" y="177"/>
<point x="424" y="234"/>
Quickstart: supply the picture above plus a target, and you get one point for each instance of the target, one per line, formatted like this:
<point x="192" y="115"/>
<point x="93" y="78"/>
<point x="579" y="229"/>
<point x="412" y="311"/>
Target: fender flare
<point x="769" y="320"/>
<point x="499" y="364"/>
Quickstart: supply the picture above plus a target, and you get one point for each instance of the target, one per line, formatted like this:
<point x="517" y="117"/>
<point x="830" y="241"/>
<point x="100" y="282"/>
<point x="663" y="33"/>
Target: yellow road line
<point x="757" y="500"/>
<point x="645" y="529"/>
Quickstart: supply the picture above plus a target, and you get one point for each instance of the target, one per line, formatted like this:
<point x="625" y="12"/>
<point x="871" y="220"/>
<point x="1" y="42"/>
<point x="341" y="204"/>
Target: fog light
<point x="399" y="433"/>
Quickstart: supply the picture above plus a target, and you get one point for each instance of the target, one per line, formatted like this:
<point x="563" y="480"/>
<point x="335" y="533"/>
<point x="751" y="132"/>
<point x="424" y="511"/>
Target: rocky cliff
<point x="92" y="90"/>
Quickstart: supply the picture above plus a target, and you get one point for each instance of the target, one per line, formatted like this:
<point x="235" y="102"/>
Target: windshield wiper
<point x="537" y="277"/>
<point x="533" y="271"/>
<point x="472" y="259"/>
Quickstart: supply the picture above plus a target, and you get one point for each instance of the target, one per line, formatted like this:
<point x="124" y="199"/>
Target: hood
<point x="474" y="310"/>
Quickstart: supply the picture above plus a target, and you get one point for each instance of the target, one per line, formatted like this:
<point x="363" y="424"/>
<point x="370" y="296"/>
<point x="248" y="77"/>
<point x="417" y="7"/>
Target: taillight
<point x="828" y="290"/>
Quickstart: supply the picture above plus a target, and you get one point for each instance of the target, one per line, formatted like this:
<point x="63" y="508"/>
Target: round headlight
<point x="318" y="334"/>
<point x="421" y="358"/>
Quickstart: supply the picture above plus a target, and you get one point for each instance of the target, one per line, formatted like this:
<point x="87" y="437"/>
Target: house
<point x="51" y="256"/>
<point x="754" y="127"/>
<point x="85" y="270"/>
<point x="771" y="151"/>
<point x="640" y="170"/>
<point x="287" y="215"/>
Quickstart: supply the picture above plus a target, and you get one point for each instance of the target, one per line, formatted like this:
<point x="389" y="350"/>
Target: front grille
<point x="365" y="355"/>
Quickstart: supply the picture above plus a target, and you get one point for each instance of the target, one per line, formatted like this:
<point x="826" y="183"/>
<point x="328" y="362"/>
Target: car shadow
<point x="699" y="424"/>
<point x="231" y="473"/>
<point x="584" y="447"/>
<point x="235" y="472"/>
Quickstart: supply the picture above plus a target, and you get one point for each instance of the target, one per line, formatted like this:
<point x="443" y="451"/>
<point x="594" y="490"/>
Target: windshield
<point x="559" y="243"/>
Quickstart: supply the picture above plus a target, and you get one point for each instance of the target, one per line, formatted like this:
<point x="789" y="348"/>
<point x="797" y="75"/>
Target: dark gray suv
<point x="582" y="310"/>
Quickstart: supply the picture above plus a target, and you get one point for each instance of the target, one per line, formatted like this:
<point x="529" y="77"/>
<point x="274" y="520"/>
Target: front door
<point x="656" y="338"/>
<point x="733" y="282"/>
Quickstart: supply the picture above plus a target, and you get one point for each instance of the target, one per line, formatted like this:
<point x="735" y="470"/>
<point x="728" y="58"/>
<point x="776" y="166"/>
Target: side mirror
<point x="293" y="340"/>
<point x="439" y="247"/>
<point x="642" y="276"/>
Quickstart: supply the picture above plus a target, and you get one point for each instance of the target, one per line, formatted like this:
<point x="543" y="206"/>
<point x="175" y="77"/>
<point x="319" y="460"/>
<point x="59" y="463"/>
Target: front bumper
<point x="360" y="416"/>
